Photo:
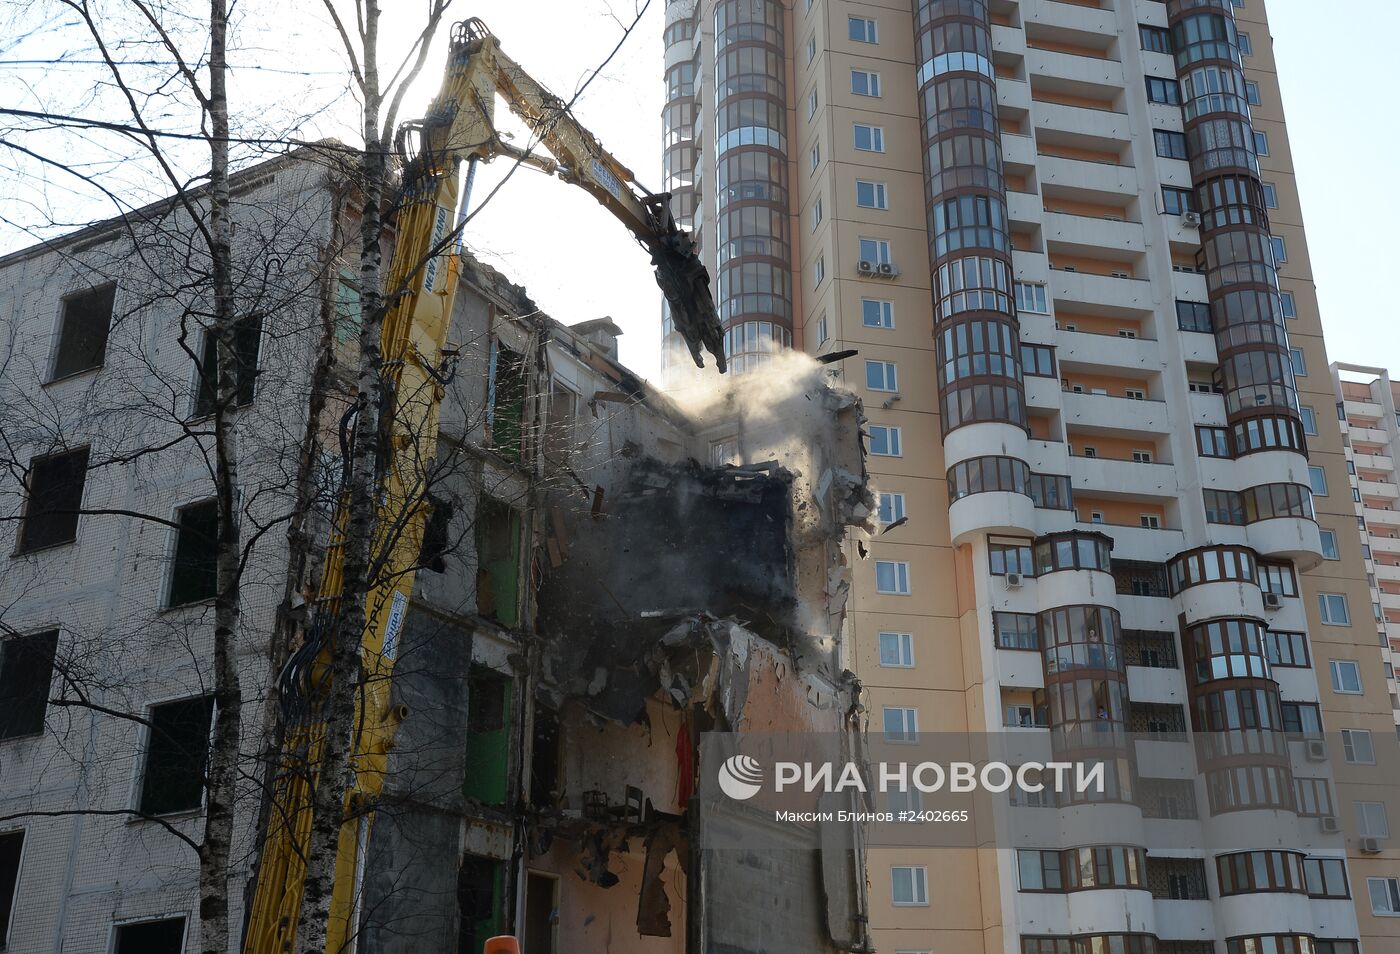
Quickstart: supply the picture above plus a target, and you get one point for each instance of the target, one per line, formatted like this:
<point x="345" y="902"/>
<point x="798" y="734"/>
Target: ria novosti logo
<point x="740" y="777"/>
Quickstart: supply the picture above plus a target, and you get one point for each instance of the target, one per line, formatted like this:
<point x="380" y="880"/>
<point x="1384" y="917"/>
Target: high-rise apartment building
<point x="1366" y="407"/>
<point x="1066" y="241"/>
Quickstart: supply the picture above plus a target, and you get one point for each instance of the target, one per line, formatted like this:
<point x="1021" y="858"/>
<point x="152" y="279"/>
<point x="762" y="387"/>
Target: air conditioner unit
<point x="887" y="269"/>
<point x="1192" y="220"/>
<point x="1013" y="581"/>
<point x="864" y="267"/>
<point x="1315" y="750"/>
<point x="1330" y="824"/>
<point x="1273" y="601"/>
<point x="1371" y="846"/>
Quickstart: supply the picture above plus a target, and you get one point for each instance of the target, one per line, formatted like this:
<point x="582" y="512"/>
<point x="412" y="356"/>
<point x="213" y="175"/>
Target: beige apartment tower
<point x="1065" y="240"/>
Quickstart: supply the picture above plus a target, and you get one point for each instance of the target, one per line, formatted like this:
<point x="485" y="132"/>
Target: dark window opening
<point x="151" y="937"/>
<point x="488" y="736"/>
<point x="82" y="335"/>
<point x="436" y="535"/>
<point x="176" y="753"/>
<point x="544" y="761"/>
<point x="26" y="668"/>
<point x="498" y="558"/>
<point x="247" y="334"/>
<point x="11" y="847"/>
<point x="505" y="401"/>
<point x="195" y="574"/>
<point x="479" y="902"/>
<point x="55" y="497"/>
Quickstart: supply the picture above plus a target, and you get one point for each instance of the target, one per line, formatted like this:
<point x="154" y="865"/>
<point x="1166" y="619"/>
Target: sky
<point x="578" y="263"/>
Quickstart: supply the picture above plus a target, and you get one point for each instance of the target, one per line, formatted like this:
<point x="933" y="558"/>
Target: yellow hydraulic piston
<point x="422" y="281"/>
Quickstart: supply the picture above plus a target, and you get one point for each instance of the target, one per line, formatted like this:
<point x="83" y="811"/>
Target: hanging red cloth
<point x="685" y="764"/>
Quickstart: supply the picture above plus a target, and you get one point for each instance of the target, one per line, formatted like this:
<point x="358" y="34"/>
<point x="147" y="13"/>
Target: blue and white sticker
<point x="397" y="610"/>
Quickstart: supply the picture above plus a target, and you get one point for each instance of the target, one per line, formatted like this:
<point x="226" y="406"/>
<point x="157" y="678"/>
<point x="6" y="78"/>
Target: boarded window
<point x="176" y="751"/>
<point x="498" y="558"/>
<point x="347" y="307"/>
<point x="55" y="496"/>
<point x="151" y="937"/>
<point x="247" y="333"/>
<point x="488" y="736"/>
<point x="194" y="575"/>
<point x="506" y="401"/>
<point x="26" y="669"/>
<point x="82" y="333"/>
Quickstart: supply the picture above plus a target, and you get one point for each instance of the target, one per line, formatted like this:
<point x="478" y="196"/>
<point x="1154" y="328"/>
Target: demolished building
<point x="641" y="572"/>
<point x="607" y="574"/>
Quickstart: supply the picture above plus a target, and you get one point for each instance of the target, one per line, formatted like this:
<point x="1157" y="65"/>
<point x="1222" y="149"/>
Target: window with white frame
<point x="1346" y="676"/>
<point x="897" y="650"/>
<point x="901" y="724"/>
<point x="815" y="156"/>
<point x="1246" y="45"/>
<point x="1270" y="195"/>
<point x="1280" y="248"/>
<point x="1290" y="310"/>
<point x="817" y="213"/>
<point x="872" y="195"/>
<point x="1261" y="142"/>
<point x="1030" y="297"/>
<point x="1385" y="896"/>
<point x="892" y="576"/>
<point x="1251" y="92"/>
<point x="876" y="251"/>
<point x="881" y="376"/>
<point x="819" y="271"/>
<point x="876" y="313"/>
<point x="1300" y="364"/>
<point x="909" y="885"/>
<point x="1317" y="479"/>
<point x="823" y="331"/>
<point x="891" y="508"/>
<point x="811" y="51"/>
<point x="865" y="83"/>
<point x="1329" y="545"/>
<point x="1371" y="821"/>
<point x="1357" y="748"/>
<point x="1309" y="420"/>
<point x="886" y="441"/>
<point x="811" y="104"/>
<point x="862" y="30"/>
<point x="869" y="138"/>
<point x="1333" y="609"/>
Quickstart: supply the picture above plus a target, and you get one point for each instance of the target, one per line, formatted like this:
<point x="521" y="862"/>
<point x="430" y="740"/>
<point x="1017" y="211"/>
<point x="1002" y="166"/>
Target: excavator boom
<point x="420" y="287"/>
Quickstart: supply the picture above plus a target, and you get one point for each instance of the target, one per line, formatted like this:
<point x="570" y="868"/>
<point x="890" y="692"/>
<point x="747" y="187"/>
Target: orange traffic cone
<point x="505" y="944"/>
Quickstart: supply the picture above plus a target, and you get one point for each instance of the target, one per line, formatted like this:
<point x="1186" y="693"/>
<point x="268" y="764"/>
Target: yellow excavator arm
<point x="422" y="281"/>
<point x="462" y="126"/>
